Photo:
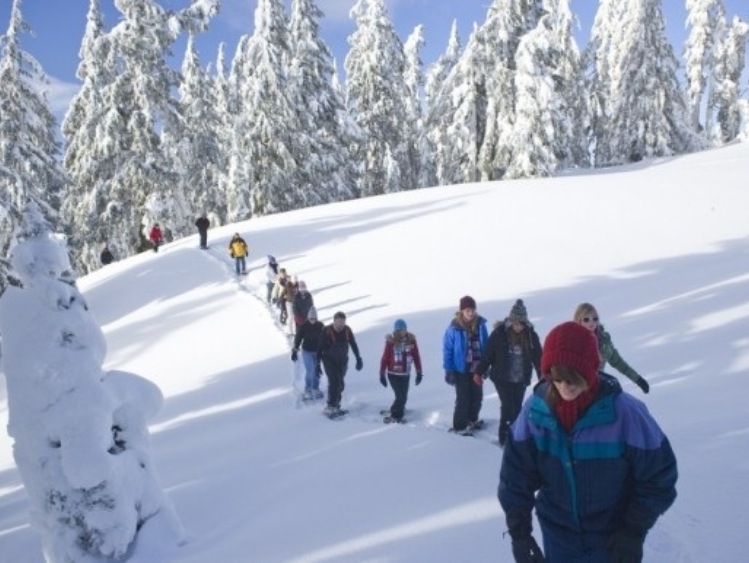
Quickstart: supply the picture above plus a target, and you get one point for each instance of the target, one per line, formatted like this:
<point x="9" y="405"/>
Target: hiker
<point x="202" y="224"/>
<point x="400" y="353"/>
<point x="587" y="315"/>
<point x="333" y="353"/>
<point x="271" y="273"/>
<point x="463" y="345"/>
<point x="301" y="304"/>
<point x="588" y="457"/>
<point x="307" y="340"/>
<point x="106" y="256"/>
<point x="238" y="251"/>
<point x="156" y="237"/>
<point x="512" y="352"/>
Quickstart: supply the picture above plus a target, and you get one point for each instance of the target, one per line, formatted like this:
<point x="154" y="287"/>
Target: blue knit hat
<point x="400" y="324"/>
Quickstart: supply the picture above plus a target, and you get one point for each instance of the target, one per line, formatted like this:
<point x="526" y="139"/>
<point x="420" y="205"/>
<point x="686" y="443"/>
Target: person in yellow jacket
<point x="238" y="250"/>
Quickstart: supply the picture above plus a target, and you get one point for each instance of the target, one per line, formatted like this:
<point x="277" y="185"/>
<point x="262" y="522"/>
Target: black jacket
<point x="308" y="336"/>
<point x="496" y="359"/>
<point x="334" y="345"/>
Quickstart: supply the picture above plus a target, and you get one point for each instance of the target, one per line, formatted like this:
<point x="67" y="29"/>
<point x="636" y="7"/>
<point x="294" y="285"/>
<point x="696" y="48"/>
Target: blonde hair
<point x="584" y="310"/>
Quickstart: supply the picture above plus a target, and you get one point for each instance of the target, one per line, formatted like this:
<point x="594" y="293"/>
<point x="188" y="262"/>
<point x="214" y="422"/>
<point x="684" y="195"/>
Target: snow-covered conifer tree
<point x="80" y="434"/>
<point x="29" y="151"/>
<point x="194" y="147"/>
<point x="730" y="59"/>
<point x="640" y="109"/>
<point x="496" y="45"/>
<point x="128" y="171"/>
<point x="705" y="20"/>
<point x="376" y="96"/>
<point x="269" y="122"/>
<point x="421" y="167"/>
<point x="321" y="147"/>
<point x="439" y="107"/>
<point x="549" y="130"/>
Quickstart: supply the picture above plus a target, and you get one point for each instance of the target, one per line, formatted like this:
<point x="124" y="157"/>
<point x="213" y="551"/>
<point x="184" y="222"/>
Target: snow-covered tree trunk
<point x="80" y="437"/>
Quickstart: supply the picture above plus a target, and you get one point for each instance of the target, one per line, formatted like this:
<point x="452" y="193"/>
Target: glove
<point x="642" y="384"/>
<point x="294" y="355"/>
<point x="450" y="377"/>
<point x="526" y="550"/>
<point x="359" y="364"/>
<point x="625" y="545"/>
<point x="419" y="377"/>
<point x="383" y="381"/>
<point x="477" y="379"/>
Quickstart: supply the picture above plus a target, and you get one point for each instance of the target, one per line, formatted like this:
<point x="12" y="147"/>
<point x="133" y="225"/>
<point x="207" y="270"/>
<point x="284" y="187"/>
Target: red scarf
<point x="569" y="412"/>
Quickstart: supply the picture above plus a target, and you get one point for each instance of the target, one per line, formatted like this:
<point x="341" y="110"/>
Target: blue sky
<point x="58" y="26"/>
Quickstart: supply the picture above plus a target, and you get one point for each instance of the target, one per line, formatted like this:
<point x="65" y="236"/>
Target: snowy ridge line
<point x="358" y="410"/>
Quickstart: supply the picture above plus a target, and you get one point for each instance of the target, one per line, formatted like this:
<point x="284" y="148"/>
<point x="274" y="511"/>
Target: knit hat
<point x="518" y="313"/>
<point x="467" y="302"/>
<point x="342" y="315"/>
<point x="272" y="259"/>
<point x="312" y="314"/>
<point x="400" y="324"/>
<point x="302" y="286"/>
<point x="573" y="345"/>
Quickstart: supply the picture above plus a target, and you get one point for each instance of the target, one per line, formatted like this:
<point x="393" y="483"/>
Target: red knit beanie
<point x="573" y="345"/>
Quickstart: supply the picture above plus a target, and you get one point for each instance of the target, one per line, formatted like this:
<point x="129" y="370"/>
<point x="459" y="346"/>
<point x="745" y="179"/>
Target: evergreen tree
<point x="29" y="151"/>
<point x="321" y="147"/>
<point x="124" y="178"/>
<point x="730" y="59"/>
<point x="270" y="120"/>
<point x="496" y="45"/>
<point x="196" y="152"/>
<point x="377" y="95"/>
<point x="440" y="109"/>
<point x="640" y="107"/>
<point x="705" y="20"/>
<point x="422" y="172"/>
<point x="549" y="130"/>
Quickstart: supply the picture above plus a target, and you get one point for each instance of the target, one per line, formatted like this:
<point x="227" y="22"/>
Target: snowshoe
<point x="476" y="425"/>
<point x="464" y="432"/>
<point x="393" y="420"/>
<point x="317" y="394"/>
<point x="334" y="412"/>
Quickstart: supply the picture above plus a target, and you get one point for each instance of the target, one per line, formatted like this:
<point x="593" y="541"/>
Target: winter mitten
<point x="526" y="550"/>
<point x="642" y="384"/>
<point x="450" y="377"/>
<point x="383" y="381"/>
<point x="625" y="545"/>
<point x="419" y="377"/>
<point x="477" y="379"/>
<point x="359" y="364"/>
<point x="294" y="355"/>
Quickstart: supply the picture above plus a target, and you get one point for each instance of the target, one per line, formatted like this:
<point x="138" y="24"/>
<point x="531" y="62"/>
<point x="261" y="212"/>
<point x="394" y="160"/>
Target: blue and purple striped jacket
<point x="615" y="461"/>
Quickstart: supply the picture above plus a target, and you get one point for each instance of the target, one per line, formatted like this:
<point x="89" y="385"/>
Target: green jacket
<point x="609" y="354"/>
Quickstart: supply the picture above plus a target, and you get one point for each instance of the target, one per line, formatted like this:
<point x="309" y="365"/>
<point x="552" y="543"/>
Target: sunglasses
<point x="588" y="319"/>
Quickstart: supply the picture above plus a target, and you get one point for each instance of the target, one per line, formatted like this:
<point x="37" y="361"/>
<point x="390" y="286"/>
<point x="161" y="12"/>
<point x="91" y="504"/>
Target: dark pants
<point x="203" y="239"/>
<point x="335" y="372"/>
<point x="510" y="402"/>
<point x="399" y="384"/>
<point x="468" y="397"/>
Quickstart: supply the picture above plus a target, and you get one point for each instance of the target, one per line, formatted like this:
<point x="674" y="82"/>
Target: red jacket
<point x="155" y="235"/>
<point x="399" y="354"/>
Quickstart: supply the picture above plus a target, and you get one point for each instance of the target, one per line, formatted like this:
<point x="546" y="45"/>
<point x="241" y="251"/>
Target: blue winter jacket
<point x="454" y="345"/>
<point x="615" y="468"/>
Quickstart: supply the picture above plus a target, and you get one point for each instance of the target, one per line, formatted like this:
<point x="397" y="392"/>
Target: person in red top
<point x="156" y="237"/>
<point x="401" y="351"/>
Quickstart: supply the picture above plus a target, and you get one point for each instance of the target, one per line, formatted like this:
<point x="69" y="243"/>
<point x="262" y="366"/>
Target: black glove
<point x="383" y="381"/>
<point x="359" y="364"/>
<point x="642" y="384"/>
<point x="450" y="377"/>
<point x="419" y="377"/>
<point x="526" y="550"/>
<point x="294" y="355"/>
<point x="625" y="545"/>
